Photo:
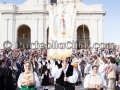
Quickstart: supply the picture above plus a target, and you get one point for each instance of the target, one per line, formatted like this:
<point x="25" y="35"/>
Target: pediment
<point x="31" y="6"/>
<point x="27" y="6"/>
<point x="94" y="7"/>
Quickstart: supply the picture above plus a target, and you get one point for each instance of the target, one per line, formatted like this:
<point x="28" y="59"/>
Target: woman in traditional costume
<point x="28" y="80"/>
<point x="94" y="81"/>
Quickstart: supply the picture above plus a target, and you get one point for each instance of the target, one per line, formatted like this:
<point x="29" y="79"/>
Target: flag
<point x="61" y="30"/>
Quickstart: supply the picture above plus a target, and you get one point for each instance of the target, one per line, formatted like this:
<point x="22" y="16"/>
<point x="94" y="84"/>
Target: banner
<point x="61" y="30"/>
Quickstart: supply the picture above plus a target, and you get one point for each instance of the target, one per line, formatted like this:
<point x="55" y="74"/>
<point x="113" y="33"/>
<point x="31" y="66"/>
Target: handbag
<point x="111" y="75"/>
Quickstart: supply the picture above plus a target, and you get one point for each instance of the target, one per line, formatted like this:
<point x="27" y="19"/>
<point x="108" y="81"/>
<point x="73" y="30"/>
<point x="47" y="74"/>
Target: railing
<point x="23" y="38"/>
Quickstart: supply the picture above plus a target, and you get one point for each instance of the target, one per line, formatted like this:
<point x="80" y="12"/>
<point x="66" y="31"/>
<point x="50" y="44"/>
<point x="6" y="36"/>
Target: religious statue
<point x="62" y="23"/>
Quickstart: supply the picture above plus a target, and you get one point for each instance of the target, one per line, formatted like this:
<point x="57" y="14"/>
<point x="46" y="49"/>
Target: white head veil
<point x="91" y="70"/>
<point x="31" y="69"/>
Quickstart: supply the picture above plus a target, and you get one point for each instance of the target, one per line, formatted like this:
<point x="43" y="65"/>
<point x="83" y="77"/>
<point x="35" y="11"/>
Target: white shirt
<point x="43" y="63"/>
<point x="106" y="65"/>
<point x="102" y="68"/>
<point x="87" y="68"/>
<point x="56" y="73"/>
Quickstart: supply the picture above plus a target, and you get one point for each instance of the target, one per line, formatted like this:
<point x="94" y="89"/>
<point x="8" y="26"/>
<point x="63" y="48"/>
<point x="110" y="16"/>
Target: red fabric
<point x="106" y="70"/>
<point x="4" y="61"/>
<point x="45" y="52"/>
<point x="32" y="53"/>
<point x="15" y="52"/>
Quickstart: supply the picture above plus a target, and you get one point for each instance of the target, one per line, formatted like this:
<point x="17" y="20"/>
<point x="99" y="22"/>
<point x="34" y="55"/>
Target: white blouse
<point x="20" y="79"/>
<point x="97" y="80"/>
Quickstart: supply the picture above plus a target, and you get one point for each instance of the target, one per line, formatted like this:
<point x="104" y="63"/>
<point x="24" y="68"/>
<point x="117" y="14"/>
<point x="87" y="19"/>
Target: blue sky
<point x="111" y="19"/>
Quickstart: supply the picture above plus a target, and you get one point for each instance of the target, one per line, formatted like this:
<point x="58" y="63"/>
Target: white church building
<point x="29" y="22"/>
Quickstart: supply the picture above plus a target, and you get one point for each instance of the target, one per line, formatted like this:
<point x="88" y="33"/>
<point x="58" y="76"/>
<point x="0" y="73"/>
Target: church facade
<point x="29" y="23"/>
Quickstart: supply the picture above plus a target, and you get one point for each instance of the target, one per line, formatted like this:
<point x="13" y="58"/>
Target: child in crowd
<point x="45" y="80"/>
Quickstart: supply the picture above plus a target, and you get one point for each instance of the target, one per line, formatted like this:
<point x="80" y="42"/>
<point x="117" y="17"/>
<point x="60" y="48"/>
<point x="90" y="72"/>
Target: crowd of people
<point x="29" y="69"/>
